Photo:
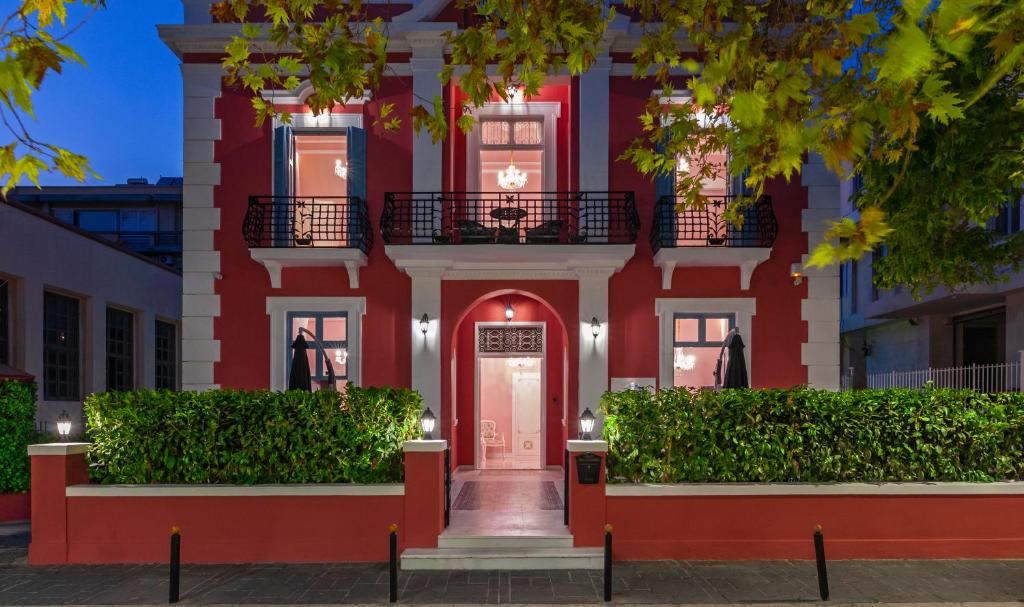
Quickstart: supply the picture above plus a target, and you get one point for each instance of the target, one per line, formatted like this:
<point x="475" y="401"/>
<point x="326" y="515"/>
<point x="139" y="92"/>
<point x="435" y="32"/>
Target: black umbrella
<point x="736" y="368"/>
<point x="299" y="378"/>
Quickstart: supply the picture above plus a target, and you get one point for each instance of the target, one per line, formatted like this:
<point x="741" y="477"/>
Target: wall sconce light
<point x="424" y="324"/>
<point x="63" y="425"/>
<point x="797" y="274"/>
<point x="587" y="424"/>
<point x="509" y="312"/>
<point x="595" y="327"/>
<point x="427" y="421"/>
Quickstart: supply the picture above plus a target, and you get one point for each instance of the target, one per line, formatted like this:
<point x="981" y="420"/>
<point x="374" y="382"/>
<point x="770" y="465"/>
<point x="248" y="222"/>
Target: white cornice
<point x="234" y="490"/>
<point x="745" y="258"/>
<point x="530" y="262"/>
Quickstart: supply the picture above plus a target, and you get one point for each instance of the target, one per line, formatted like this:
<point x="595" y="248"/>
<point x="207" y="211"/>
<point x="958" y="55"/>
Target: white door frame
<point x="477" y="355"/>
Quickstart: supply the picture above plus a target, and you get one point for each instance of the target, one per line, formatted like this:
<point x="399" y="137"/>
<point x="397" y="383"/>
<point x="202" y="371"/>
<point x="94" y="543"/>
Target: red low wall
<point x="245" y="529"/>
<point x="15" y="507"/>
<point x="739" y="527"/>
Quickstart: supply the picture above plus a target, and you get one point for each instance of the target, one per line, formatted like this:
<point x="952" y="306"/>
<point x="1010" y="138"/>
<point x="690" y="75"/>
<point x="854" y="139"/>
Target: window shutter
<point x="282" y="161"/>
<point x="355" y="138"/>
<point x="665" y="185"/>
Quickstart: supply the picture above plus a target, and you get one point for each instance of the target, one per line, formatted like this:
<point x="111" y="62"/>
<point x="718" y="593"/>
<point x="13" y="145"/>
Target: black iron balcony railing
<point x="708" y="227"/>
<point x="303" y="221"/>
<point x="509" y="218"/>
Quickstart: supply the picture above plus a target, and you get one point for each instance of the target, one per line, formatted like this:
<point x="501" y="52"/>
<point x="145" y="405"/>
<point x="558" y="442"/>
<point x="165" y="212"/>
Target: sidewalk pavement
<point x="659" y="582"/>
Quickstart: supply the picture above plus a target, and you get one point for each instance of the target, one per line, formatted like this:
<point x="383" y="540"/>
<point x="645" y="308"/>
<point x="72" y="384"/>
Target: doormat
<point x="508" y="495"/>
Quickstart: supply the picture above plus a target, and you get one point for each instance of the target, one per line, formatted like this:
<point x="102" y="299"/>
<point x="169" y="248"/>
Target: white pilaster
<point x="426" y="349"/>
<point x="593" y="368"/>
<point x="201" y="262"/>
<point x="821" y="308"/>
<point x="593" y="130"/>
<point x="426" y="62"/>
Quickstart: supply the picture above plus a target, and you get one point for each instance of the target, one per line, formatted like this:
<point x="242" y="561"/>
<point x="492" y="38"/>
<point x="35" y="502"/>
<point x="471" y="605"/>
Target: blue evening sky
<point x="123" y="111"/>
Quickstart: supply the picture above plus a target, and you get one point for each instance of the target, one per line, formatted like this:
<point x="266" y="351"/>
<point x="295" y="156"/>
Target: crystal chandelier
<point x="340" y="169"/>
<point x="511" y="178"/>
<point x="519" y="363"/>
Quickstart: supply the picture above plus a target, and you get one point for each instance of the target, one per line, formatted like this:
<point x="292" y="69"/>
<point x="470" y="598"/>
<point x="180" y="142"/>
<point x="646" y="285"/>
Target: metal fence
<point x="1002" y="377"/>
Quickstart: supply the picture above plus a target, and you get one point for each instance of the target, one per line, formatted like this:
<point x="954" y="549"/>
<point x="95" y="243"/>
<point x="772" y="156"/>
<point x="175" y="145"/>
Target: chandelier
<point x="520" y="363"/>
<point x="511" y="178"/>
<point x="684" y="361"/>
<point x="340" y="169"/>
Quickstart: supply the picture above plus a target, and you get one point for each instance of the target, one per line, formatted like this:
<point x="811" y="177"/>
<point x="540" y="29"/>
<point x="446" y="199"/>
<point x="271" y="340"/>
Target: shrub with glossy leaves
<point x="251" y="437"/>
<point x="805" y="435"/>
<point x="17" y="431"/>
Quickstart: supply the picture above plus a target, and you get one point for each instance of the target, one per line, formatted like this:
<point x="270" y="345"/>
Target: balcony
<point x="524" y="231"/>
<point x="703" y="237"/>
<point x="324" y="231"/>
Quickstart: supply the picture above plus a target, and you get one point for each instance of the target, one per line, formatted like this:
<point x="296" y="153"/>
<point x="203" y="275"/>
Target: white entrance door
<point x="526" y="420"/>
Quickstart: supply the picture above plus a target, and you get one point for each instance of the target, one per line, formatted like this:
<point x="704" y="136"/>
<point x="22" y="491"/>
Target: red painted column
<point x="586" y="502"/>
<point x="55" y="466"/>
<point x="424" y="493"/>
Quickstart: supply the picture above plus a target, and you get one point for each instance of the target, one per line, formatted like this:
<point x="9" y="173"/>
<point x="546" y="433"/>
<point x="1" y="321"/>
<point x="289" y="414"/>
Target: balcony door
<point x="317" y="174"/>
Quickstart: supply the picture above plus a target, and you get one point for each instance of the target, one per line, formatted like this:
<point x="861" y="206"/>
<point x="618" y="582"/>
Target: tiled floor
<point x="504" y="510"/>
<point x="663" y="582"/>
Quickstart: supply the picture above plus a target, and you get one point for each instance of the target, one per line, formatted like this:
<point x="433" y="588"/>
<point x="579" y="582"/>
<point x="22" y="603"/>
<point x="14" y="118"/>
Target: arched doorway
<point x="509" y="370"/>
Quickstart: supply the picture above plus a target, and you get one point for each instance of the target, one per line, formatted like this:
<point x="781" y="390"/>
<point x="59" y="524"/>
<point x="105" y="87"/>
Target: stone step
<point x="476" y="559"/>
<point x="447" y="540"/>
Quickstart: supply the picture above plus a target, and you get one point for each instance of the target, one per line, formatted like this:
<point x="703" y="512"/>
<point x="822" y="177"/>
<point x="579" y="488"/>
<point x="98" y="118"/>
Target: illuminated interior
<point x="333" y="334"/>
<point x="694" y="365"/>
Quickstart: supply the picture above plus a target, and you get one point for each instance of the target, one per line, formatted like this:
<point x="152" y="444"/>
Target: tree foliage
<point x="895" y="91"/>
<point x="33" y="45"/>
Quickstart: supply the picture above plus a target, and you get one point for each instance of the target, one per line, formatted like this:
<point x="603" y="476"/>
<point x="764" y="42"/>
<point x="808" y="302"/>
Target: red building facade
<point x="415" y="267"/>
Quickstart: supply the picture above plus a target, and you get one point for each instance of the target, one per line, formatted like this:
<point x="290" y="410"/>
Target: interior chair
<point x="490" y="437"/>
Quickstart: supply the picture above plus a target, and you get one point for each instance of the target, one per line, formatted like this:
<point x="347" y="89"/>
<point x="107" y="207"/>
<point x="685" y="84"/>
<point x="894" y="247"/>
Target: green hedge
<point x="813" y="436"/>
<point x="250" y="437"/>
<point x="17" y="432"/>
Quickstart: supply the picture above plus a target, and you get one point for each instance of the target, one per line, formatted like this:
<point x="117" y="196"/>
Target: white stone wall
<point x="37" y="255"/>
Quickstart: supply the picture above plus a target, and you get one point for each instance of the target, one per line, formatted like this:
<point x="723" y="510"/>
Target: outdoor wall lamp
<point x="509" y="312"/>
<point x="595" y="327"/>
<point x="64" y="425"/>
<point x="587" y="424"/>
<point x="797" y="274"/>
<point x="424" y="324"/>
<point x="427" y="421"/>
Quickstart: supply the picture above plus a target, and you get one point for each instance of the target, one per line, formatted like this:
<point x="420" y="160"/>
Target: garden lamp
<point x="427" y="421"/>
<point x="64" y="425"/>
<point x="587" y="424"/>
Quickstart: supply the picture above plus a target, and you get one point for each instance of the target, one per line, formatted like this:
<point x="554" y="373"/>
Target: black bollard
<point x="819" y="556"/>
<point x="175" y="581"/>
<point x="607" y="563"/>
<point x="393" y="563"/>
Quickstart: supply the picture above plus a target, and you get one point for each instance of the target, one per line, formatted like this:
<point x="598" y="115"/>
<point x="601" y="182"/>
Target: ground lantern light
<point x="587" y="424"/>
<point x="64" y="425"/>
<point x="427" y="421"/>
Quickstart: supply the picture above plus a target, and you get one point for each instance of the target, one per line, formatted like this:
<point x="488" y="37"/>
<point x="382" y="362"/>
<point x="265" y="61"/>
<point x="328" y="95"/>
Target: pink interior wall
<point x="496" y="402"/>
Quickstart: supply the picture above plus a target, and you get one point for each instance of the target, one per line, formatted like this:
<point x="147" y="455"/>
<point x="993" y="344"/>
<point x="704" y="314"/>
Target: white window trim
<point x="666" y="308"/>
<point x="550" y="111"/>
<point x="278" y="309"/>
<point x="309" y="121"/>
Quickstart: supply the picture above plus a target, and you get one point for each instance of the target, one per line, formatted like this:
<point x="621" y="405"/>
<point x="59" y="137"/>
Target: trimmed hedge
<point x="808" y="435"/>
<point x="251" y="437"/>
<point x="17" y="432"/>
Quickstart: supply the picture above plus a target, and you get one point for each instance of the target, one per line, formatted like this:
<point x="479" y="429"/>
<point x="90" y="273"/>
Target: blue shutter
<point x="665" y="185"/>
<point x="355" y="139"/>
<point x="282" y="184"/>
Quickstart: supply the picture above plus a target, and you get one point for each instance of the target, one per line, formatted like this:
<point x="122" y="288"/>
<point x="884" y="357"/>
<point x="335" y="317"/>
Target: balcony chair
<point x="548" y="232"/>
<point x="474" y="232"/>
<point x="490" y="437"/>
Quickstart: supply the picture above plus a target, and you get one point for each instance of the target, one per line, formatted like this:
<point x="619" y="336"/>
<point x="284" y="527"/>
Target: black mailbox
<point x="588" y="469"/>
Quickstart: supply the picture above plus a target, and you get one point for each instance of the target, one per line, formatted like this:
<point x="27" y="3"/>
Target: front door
<point x="526" y="419"/>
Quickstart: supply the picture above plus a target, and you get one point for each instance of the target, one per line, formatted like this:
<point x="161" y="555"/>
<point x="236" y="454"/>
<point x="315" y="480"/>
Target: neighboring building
<point x="975" y="335"/>
<point x="312" y="226"/>
<point x="141" y="216"/>
<point x="82" y="314"/>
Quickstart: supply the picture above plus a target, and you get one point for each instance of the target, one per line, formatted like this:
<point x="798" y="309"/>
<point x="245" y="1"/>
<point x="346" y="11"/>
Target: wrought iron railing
<point x="509" y="218"/>
<point x="708" y="227"/>
<point x="303" y="222"/>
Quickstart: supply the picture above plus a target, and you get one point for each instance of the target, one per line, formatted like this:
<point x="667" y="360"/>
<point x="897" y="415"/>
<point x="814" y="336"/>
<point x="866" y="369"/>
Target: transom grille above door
<point x="510" y="339"/>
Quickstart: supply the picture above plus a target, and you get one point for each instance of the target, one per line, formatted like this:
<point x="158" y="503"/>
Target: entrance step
<point x="520" y="558"/>
<point x="451" y="541"/>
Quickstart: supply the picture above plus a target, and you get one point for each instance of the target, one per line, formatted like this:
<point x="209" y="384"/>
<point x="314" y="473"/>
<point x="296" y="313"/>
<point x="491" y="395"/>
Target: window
<point x="842" y="280"/>
<point x="5" y="326"/>
<point x="506" y="141"/>
<point x="138" y="220"/>
<point x="98" y="221"/>
<point x="331" y="329"/>
<point x="696" y="344"/>
<point x="120" y="350"/>
<point x="166" y="356"/>
<point x="854" y="291"/>
<point x="65" y="215"/>
<point x="61" y="358"/>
